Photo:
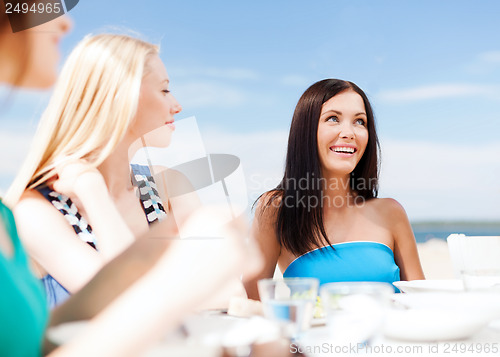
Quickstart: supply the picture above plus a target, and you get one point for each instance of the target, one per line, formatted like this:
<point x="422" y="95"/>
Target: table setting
<point x="348" y="318"/>
<point x="430" y="321"/>
<point x="298" y="317"/>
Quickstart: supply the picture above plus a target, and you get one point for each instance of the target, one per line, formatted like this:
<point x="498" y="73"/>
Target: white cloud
<point x="490" y="57"/>
<point x="209" y="94"/>
<point x="437" y="91"/>
<point x="14" y="147"/>
<point x="199" y="86"/>
<point x="449" y="181"/>
<point x="262" y="156"/>
<point x="485" y="63"/>
<point x="432" y="181"/>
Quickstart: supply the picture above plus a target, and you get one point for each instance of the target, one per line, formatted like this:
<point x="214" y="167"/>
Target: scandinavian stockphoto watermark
<point x="24" y="14"/>
<point x="299" y="191"/>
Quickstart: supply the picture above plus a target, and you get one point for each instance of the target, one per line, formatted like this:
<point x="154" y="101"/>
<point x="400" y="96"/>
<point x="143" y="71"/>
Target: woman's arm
<point x="405" y="247"/>
<point x="51" y="241"/>
<point x="264" y="233"/>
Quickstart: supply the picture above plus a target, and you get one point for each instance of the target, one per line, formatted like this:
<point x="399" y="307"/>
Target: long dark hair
<point x="299" y="226"/>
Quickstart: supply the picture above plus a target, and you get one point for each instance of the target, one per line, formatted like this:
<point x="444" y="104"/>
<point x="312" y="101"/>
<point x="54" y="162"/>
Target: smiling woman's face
<point x="157" y="106"/>
<point x="342" y="134"/>
<point x="30" y="58"/>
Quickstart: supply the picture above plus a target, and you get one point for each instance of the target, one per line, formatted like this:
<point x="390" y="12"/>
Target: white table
<point x="210" y="330"/>
<point x="317" y="342"/>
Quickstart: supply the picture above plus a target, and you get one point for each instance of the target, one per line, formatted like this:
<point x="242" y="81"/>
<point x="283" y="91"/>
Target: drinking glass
<point x="355" y="310"/>
<point x="290" y="302"/>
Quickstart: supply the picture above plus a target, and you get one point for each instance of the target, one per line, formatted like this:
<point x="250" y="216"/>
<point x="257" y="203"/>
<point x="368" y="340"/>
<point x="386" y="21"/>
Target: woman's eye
<point x="333" y="119"/>
<point x="360" y="122"/>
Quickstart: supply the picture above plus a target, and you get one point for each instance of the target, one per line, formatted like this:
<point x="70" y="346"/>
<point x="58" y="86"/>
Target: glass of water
<point x="290" y="302"/>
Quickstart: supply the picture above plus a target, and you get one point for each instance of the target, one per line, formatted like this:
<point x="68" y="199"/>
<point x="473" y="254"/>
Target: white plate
<point x="63" y="333"/>
<point x="474" y="302"/>
<point x="431" y="325"/>
<point x="175" y="346"/>
<point x="415" y="286"/>
<point x="440" y="316"/>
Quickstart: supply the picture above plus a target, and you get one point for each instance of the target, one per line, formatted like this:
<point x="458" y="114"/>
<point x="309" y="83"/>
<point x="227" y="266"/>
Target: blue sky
<point x="431" y="69"/>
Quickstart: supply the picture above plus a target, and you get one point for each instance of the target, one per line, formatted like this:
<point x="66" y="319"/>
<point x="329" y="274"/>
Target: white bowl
<point x="440" y="316"/>
<point x="416" y="286"/>
<point x="476" y="302"/>
<point x="428" y="325"/>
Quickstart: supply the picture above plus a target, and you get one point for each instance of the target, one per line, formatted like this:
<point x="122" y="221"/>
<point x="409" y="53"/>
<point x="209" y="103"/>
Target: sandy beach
<point x="435" y="259"/>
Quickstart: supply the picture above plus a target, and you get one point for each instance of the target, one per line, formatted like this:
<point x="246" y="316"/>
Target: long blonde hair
<point x="93" y="104"/>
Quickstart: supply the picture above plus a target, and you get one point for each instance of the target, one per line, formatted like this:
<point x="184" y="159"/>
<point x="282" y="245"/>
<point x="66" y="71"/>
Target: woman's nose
<point x="66" y="24"/>
<point x="176" y="108"/>
<point x="346" y="132"/>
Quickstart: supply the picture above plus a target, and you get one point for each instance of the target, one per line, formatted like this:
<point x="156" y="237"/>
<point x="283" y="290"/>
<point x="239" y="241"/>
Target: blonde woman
<point x="76" y="180"/>
<point x="145" y="271"/>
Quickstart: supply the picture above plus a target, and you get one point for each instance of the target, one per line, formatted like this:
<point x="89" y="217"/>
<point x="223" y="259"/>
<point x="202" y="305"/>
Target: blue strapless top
<point x="349" y="261"/>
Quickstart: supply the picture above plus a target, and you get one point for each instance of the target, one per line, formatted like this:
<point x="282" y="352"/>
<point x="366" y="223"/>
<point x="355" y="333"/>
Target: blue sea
<point x="441" y="230"/>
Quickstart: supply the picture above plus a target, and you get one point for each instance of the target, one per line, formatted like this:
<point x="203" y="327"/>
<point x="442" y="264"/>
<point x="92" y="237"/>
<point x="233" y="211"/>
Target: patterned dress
<point x="151" y="204"/>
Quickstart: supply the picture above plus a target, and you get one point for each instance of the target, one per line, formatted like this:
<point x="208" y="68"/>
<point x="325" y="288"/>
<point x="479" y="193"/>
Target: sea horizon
<point x="441" y="229"/>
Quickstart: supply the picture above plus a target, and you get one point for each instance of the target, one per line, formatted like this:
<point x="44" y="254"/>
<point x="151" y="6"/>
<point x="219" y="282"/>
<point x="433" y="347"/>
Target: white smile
<point x="343" y="150"/>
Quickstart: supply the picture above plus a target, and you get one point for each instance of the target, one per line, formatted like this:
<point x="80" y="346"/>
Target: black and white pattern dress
<point x="148" y="193"/>
<point x="151" y="204"/>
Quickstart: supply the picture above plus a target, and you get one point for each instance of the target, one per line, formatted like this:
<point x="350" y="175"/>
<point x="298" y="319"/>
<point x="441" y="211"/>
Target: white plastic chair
<point x="474" y="252"/>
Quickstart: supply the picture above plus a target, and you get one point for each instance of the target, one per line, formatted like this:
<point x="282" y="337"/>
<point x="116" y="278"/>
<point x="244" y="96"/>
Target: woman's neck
<point x="116" y="171"/>
<point x="337" y="192"/>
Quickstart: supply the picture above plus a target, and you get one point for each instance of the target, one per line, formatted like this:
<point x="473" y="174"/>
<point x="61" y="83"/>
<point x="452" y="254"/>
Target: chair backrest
<point x="474" y="252"/>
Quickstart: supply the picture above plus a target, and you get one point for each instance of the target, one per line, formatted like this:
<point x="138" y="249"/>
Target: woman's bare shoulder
<point x="386" y="206"/>
<point x="387" y="211"/>
<point x="33" y="204"/>
<point x="31" y="198"/>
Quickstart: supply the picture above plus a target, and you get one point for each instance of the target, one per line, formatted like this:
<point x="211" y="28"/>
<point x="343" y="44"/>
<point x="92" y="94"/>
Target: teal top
<point x="23" y="307"/>
<point x="349" y="261"/>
